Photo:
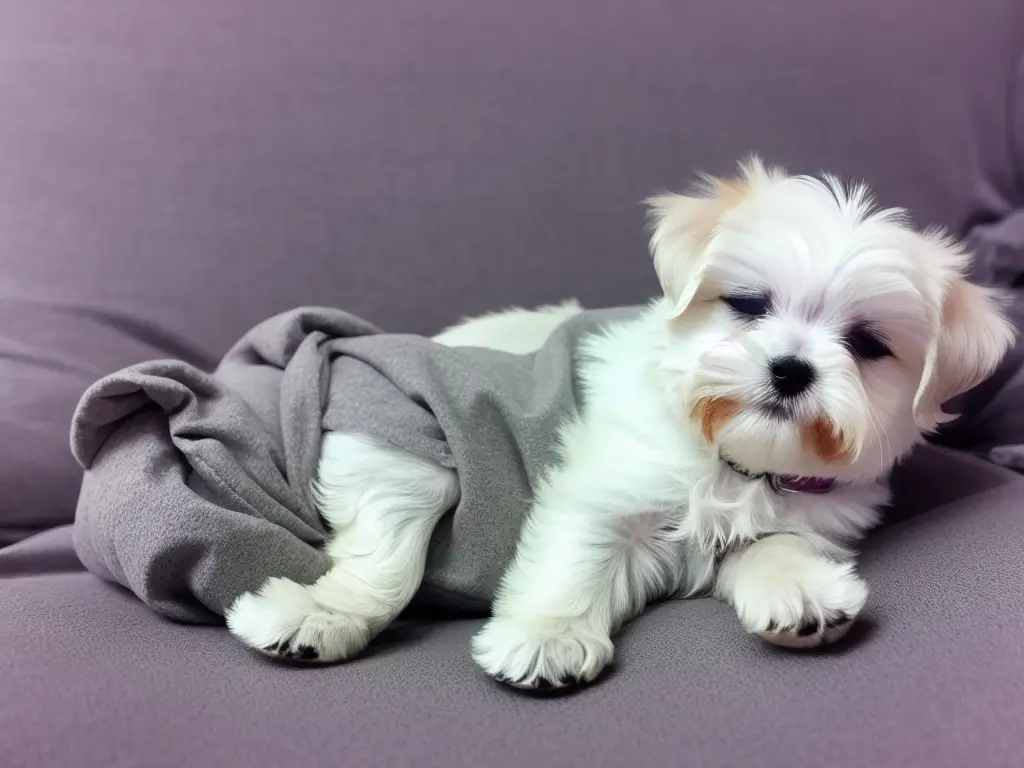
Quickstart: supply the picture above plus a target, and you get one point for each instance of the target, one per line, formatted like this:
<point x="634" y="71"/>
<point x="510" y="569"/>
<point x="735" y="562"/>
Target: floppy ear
<point x="682" y="227"/>
<point x="972" y="337"/>
<point x="684" y="224"/>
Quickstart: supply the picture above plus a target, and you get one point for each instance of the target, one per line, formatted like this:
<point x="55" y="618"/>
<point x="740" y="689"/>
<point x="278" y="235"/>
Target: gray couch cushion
<point x="931" y="677"/>
<point x="171" y="173"/>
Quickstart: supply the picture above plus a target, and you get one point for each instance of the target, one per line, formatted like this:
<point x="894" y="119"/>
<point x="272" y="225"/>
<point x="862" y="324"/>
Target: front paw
<point x="806" y="605"/>
<point x="541" y="654"/>
<point x="811" y="634"/>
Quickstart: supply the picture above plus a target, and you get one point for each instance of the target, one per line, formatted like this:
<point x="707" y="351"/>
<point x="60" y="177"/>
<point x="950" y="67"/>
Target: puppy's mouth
<point x="818" y="434"/>
<point x="777" y="411"/>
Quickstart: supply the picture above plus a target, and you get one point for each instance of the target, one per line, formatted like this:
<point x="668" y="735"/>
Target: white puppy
<point x="736" y="439"/>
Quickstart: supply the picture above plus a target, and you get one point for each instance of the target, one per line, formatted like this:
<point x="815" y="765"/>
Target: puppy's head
<point x="808" y="332"/>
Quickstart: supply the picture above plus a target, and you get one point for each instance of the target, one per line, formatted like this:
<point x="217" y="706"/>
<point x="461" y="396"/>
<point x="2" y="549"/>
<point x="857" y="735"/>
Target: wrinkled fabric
<point x="197" y="485"/>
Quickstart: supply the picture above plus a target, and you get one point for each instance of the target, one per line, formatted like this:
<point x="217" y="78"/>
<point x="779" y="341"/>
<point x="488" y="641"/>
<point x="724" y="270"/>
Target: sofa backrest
<point x="171" y="173"/>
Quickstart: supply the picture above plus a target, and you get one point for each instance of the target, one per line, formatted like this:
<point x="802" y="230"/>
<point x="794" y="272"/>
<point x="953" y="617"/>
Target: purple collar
<point x="786" y="483"/>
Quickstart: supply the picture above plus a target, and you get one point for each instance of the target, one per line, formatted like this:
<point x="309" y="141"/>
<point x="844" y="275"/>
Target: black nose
<point x="791" y="375"/>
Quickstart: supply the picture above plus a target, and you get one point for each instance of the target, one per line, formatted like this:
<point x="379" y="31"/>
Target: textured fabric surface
<point x="171" y="173"/>
<point x="197" y="486"/>
<point x="931" y="678"/>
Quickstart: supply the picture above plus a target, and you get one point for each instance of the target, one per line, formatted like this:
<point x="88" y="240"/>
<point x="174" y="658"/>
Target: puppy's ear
<point x="971" y="338"/>
<point x="682" y="226"/>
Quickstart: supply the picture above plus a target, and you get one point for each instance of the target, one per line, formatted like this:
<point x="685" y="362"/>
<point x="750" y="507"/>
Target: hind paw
<point x="283" y="620"/>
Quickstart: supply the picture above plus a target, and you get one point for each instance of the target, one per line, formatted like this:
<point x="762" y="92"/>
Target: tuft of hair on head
<point x="856" y="202"/>
<point x="682" y="225"/>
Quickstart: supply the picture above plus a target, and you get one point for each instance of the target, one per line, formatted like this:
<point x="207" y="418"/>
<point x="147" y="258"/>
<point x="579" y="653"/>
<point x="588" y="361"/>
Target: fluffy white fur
<point x="642" y="505"/>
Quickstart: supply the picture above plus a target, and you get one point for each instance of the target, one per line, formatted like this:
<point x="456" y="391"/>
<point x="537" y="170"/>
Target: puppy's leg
<point x="576" y="579"/>
<point x="786" y="591"/>
<point x="587" y="563"/>
<point x="382" y="504"/>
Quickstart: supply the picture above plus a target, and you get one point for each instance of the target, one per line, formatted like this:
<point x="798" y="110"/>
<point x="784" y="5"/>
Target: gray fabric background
<point x="197" y="486"/>
<point x="171" y="173"/>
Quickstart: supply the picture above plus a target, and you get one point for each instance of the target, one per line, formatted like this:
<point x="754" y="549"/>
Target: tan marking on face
<point x="713" y="413"/>
<point x="826" y="442"/>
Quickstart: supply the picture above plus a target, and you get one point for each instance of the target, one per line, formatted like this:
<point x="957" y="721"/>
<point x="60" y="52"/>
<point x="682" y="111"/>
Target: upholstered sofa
<point x="173" y="172"/>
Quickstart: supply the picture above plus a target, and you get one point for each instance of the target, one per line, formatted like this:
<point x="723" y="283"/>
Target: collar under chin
<point x="785" y="483"/>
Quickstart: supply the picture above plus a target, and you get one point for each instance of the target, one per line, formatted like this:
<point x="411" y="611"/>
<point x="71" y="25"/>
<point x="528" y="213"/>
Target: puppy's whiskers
<point x="747" y="342"/>
<point x="881" y="437"/>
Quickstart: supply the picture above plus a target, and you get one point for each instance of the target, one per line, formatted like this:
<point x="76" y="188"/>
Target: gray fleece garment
<point x="197" y="485"/>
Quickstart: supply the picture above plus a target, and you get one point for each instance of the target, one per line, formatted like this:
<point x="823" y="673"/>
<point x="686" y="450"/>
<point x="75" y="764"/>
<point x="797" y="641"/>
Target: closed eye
<point x="748" y="305"/>
<point x="867" y="344"/>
